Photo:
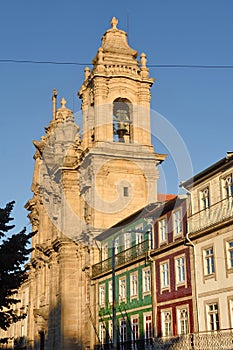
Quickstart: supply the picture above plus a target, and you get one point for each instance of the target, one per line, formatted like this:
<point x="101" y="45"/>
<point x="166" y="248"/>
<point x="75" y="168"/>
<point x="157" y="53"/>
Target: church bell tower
<point x="119" y="173"/>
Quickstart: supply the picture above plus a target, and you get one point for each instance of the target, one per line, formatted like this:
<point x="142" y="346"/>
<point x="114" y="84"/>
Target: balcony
<point x="121" y="258"/>
<point x="211" y="216"/>
<point x="214" y="340"/>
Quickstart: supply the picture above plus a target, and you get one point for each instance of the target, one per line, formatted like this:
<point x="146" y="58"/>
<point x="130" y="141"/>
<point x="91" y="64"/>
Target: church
<point x="116" y="264"/>
<point x="84" y="182"/>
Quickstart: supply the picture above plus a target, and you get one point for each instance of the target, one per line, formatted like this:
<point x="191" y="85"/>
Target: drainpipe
<point x="114" y="325"/>
<point x="195" y="277"/>
<point x="194" y="270"/>
<point x="153" y="279"/>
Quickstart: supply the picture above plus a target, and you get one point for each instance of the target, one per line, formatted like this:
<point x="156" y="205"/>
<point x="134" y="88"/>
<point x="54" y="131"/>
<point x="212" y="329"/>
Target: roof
<point x="152" y="210"/>
<point x="210" y="171"/>
<point x="165" y="197"/>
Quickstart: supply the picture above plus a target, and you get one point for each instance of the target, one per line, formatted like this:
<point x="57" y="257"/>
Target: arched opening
<point x="42" y="340"/>
<point x="122" y="122"/>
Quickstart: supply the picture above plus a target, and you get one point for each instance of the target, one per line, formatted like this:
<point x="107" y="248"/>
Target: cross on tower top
<point x="114" y="22"/>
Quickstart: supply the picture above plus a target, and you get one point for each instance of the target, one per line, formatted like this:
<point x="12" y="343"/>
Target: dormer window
<point x="228" y="186"/>
<point x="121" y="120"/>
<point x="205" y="199"/>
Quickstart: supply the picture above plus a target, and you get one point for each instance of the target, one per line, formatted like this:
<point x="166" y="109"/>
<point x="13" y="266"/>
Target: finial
<point x="63" y="103"/>
<point x="143" y="60"/>
<point x="54" y="92"/>
<point x="86" y="72"/>
<point x="114" y="23"/>
<point x="100" y="56"/>
<point x="54" y="99"/>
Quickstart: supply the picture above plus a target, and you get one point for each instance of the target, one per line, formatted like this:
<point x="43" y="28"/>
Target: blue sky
<point x="197" y="102"/>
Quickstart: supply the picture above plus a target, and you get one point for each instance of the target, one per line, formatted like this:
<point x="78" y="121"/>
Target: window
<point x="116" y="245"/>
<point x="230" y="255"/>
<point x="127" y="245"/>
<point x="102" y="332"/>
<point x="110" y="329"/>
<point x="231" y="312"/>
<point x="180" y="270"/>
<point x="182" y="320"/>
<point x="146" y="281"/>
<point x="22" y="327"/>
<point x="148" y="326"/>
<point x="127" y="238"/>
<point x="102" y="295"/>
<point x="166" y="323"/>
<point x="209" y="261"/>
<point x="164" y="274"/>
<point x="123" y="331"/>
<point x="139" y="237"/>
<point x="122" y="289"/>
<point x="162" y="230"/>
<point x="105" y="251"/>
<point x="177" y="222"/>
<point x="213" y="317"/>
<point x="138" y="241"/>
<point x="204" y="198"/>
<point x="110" y="292"/>
<point x="133" y="285"/>
<point x="228" y="186"/>
<point x="135" y="328"/>
<point x="125" y="191"/>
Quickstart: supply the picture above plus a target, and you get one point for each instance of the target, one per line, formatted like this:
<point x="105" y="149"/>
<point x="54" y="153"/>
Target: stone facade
<point x="83" y="184"/>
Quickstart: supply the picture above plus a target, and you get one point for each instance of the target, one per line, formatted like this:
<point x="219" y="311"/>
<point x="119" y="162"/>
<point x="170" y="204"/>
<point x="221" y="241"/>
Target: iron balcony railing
<point x="212" y="340"/>
<point x="210" y="216"/>
<point x="123" y="257"/>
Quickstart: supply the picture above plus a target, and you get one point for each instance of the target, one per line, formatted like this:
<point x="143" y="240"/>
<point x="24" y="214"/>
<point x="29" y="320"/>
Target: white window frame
<point x="228" y="186"/>
<point x="177" y="222"/>
<point x="134" y="285"/>
<point x="122" y="330"/>
<point x="182" y="322"/>
<point x="166" y="323"/>
<point x="230" y="303"/>
<point x="135" y="327"/>
<point x="105" y="251"/>
<point x="102" y="332"/>
<point x="180" y="265"/>
<point x="205" y="198"/>
<point x="165" y="274"/>
<point x="101" y="295"/>
<point x="110" y="292"/>
<point x="116" y="245"/>
<point x="122" y="289"/>
<point x="148" y="330"/>
<point x="212" y="313"/>
<point x="127" y="240"/>
<point x="162" y="229"/>
<point x="209" y="261"/>
<point x="139" y="236"/>
<point x="229" y="254"/>
<point x="146" y="285"/>
<point x="110" y="329"/>
<point x="128" y="244"/>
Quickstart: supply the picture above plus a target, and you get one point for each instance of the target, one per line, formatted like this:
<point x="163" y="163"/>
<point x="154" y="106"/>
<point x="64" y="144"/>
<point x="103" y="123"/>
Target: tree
<point x="14" y="253"/>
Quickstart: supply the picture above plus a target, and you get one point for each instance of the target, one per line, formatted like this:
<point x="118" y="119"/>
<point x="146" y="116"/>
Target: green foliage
<point x="14" y="253"/>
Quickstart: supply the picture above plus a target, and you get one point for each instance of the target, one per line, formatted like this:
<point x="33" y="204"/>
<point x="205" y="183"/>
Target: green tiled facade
<point x="132" y="283"/>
